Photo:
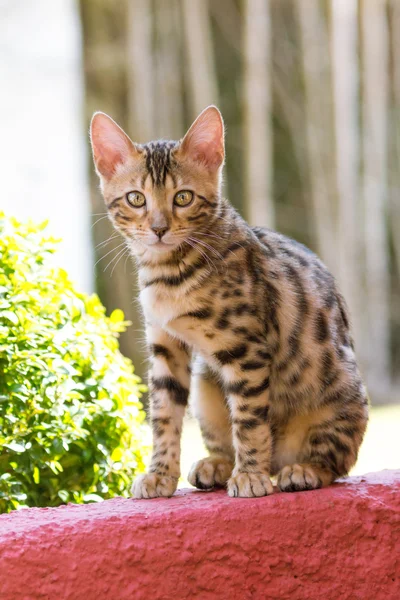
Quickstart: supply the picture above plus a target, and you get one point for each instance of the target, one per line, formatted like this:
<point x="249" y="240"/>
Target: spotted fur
<point x="246" y="320"/>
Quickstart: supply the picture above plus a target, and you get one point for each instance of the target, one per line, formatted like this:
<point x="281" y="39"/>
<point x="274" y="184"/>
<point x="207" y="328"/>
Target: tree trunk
<point x="319" y="129"/>
<point x="168" y="58"/>
<point x="141" y="71"/>
<point x="374" y="187"/>
<point x="344" y="23"/>
<point x="201" y="68"/>
<point x="108" y="74"/>
<point x="395" y="132"/>
<point x="257" y="112"/>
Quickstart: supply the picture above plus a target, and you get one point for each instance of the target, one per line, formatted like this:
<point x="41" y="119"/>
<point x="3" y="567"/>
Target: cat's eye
<point x="136" y="199"/>
<point x="183" y="198"/>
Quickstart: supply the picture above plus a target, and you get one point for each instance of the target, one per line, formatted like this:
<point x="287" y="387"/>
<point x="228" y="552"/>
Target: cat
<point x="248" y="320"/>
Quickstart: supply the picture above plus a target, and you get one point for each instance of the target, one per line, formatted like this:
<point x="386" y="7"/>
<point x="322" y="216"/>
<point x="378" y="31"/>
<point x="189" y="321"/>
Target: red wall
<point x="334" y="544"/>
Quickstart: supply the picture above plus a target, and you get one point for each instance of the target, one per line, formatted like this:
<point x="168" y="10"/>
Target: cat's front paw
<point x="249" y="485"/>
<point x="210" y="472"/>
<point x="152" y="485"/>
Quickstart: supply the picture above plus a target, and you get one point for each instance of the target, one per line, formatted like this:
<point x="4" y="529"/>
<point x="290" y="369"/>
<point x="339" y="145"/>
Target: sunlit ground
<point x="380" y="449"/>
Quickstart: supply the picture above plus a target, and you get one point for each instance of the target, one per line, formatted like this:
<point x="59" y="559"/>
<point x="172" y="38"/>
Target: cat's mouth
<point x="161" y="246"/>
<point x="157" y="245"/>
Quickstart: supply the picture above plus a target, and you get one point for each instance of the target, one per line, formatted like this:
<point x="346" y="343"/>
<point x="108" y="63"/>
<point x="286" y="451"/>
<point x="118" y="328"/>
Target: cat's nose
<point x="160" y="231"/>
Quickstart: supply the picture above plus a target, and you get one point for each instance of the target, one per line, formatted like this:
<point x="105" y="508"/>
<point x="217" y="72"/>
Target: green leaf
<point x="10" y="316"/>
<point x="92" y="498"/>
<point x="36" y="475"/>
<point x="64" y="495"/>
<point x="15" y="447"/>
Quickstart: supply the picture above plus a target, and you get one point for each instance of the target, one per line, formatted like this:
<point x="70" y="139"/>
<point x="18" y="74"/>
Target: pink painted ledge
<point x="338" y="543"/>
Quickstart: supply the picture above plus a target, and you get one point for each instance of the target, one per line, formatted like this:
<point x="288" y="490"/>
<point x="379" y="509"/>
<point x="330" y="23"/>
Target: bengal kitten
<point x="248" y="319"/>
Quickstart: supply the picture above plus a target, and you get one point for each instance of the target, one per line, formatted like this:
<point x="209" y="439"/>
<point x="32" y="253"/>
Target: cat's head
<point x="160" y="194"/>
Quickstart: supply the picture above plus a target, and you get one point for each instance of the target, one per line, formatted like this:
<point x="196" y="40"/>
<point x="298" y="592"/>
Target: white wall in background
<point x="43" y="146"/>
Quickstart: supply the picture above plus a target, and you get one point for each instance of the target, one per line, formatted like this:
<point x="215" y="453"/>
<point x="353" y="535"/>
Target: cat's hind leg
<point x="302" y="477"/>
<point x="329" y="449"/>
<point x="208" y="405"/>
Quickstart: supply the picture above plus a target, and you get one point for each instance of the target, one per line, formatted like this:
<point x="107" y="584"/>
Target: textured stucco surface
<point x="334" y="544"/>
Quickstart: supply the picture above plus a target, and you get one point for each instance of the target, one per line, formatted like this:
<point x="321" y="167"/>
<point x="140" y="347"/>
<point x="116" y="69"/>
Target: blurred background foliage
<point x="310" y="92"/>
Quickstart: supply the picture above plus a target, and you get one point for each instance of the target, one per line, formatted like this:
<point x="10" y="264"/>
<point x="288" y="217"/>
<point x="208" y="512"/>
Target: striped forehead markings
<point x="158" y="161"/>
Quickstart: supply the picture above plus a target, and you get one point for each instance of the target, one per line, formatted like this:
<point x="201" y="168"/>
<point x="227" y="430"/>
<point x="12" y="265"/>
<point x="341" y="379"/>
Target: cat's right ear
<point x="110" y="144"/>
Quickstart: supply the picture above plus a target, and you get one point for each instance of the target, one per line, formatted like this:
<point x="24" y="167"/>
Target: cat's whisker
<point x="237" y="243"/>
<point x="98" y="220"/>
<point x="124" y="252"/>
<point x="195" y="241"/>
<point x="227" y="221"/>
<point x="207" y="258"/>
<point x="126" y="259"/>
<point x="212" y="235"/>
<point x="101" y="244"/>
<point x="209" y="234"/>
<point x="210" y="248"/>
<point x="193" y="245"/>
<point x="109" y="252"/>
<point x="121" y="252"/>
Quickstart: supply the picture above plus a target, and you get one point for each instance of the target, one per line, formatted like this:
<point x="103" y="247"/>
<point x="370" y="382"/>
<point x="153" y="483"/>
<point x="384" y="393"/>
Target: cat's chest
<point x="157" y="308"/>
<point x="164" y="308"/>
<point x="171" y="312"/>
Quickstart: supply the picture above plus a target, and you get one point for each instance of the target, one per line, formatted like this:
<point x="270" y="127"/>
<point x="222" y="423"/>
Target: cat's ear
<point x="110" y="144"/>
<point x="204" y="142"/>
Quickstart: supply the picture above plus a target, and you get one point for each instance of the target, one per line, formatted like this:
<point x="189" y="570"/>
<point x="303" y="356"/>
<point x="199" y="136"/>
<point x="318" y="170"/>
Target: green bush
<point x="71" y="423"/>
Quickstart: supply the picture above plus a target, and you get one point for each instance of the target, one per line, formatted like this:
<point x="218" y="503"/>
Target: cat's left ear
<point x="204" y="142"/>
